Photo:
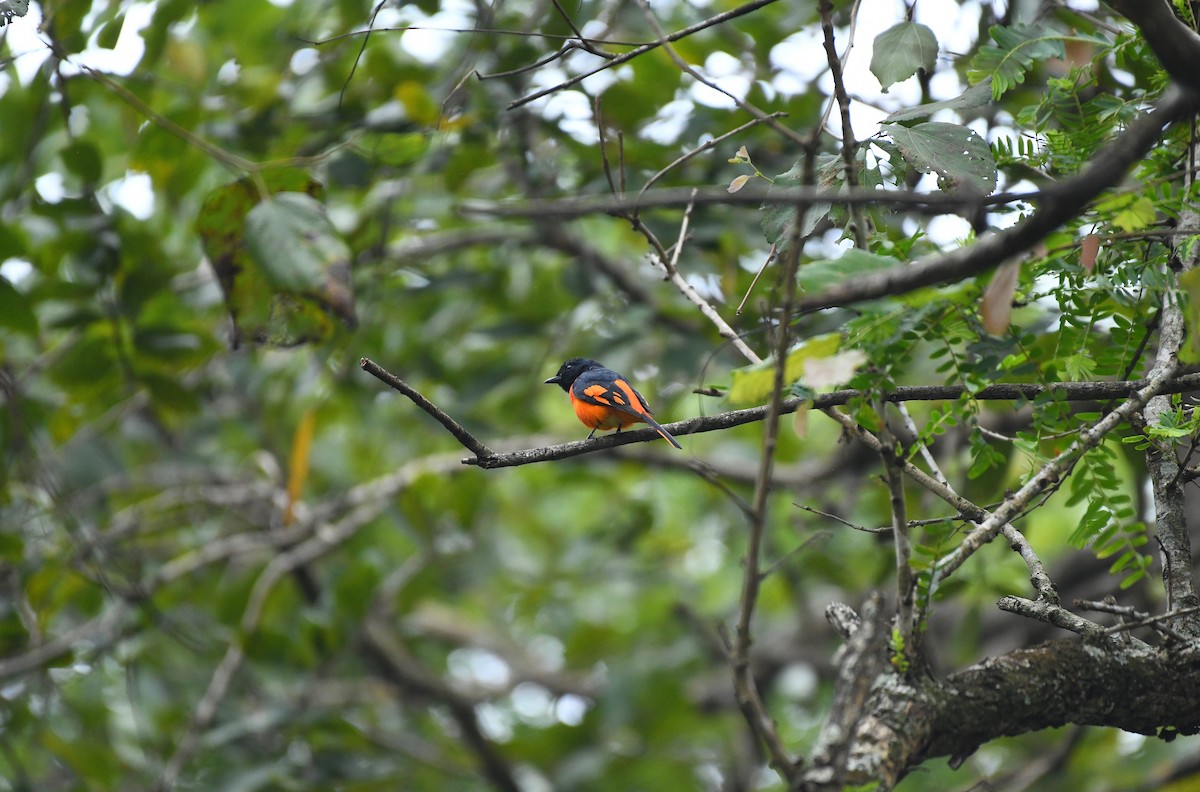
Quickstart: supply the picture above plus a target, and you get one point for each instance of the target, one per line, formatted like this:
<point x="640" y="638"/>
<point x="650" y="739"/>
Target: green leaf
<point x="15" y="313"/>
<point x="83" y="159"/>
<point x="110" y="31"/>
<point x="779" y="220"/>
<point x="1138" y="214"/>
<point x="975" y="96"/>
<point x="285" y="292"/>
<point x="292" y="240"/>
<point x="818" y="276"/>
<point x="753" y="384"/>
<point x="1080" y="366"/>
<point x="958" y="155"/>
<point x="901" y="50"/>
<point x="1016" y="50"/>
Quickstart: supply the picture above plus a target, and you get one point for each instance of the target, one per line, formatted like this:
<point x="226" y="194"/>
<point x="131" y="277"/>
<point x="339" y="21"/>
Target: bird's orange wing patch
<point x="629" y="397"/>
<point x="601" y="394"/>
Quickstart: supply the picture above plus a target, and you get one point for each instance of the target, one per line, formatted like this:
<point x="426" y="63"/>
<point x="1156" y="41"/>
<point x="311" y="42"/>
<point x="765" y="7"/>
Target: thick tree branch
<point x="1176" y="45"/>
<point x="862" y="663"/>
<point x="1058" y="205"/>
<point x="893" y="464"/>
<point x="905" y="723"/>
<point x="1162" y="456"/>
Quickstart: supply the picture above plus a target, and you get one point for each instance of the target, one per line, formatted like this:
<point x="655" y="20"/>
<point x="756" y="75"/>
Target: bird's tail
<point x="662" y="432"/>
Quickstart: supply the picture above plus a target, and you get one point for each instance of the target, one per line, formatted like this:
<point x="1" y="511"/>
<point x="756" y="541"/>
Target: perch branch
<point x="454" y="427"/>
<point x="1072" y="391"/>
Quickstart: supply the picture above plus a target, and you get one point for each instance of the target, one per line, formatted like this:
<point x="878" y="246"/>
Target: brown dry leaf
<point x="1089" y="249"/>
<point x="996" y="305"/>
<point x="800" y="420"/>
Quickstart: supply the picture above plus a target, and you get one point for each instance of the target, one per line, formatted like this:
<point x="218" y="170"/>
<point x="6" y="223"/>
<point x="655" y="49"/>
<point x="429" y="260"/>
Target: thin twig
<point x="1053" y="614"/>
<point x="668" y="264"/>
<point x="1038" y="577"/>
<point x="889" y="453"/>
<point x="486" y="31"/>
<point x="1153" y="620"/>
<point x="742" y="104"/>
<point x="733" y="13"/>
<point x="849" y="145"/>
<point x="842" y="520"/>
<point x="357" y="58"/>
<point x="922" y="448"/>
<point x="754" y="281"/>
<point x="567" y="208"/>
<point x="1130" y="612"/>
<point x="699" y="149"/>
<point x="1054" y="470"/>
<point x="460" y="433"/>
<point x="753" y="709"/>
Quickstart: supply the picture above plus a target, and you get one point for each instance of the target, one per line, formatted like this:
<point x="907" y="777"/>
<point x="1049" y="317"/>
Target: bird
<point x="604" y="399"/>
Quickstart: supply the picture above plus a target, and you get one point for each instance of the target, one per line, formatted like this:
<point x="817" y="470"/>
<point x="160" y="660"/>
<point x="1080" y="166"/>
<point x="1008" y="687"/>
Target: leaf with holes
<point x="958" y="155"/>
<point x="778" y="220"/>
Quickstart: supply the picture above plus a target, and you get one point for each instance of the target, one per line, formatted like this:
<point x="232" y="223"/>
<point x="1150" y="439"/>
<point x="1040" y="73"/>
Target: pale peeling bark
<point x="906" y="721"/>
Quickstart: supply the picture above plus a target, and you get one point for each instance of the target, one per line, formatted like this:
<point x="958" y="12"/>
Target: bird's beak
<point x="552" y="381"/>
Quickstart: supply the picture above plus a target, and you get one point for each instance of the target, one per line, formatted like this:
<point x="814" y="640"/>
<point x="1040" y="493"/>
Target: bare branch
<point x="1055" y="470"/>
<point x="565" y="208"/>
<point x="742" y="104"/>
<point x="849" y="145"/>
<point x="460" y="433"/>
<point x="706" y="146"/>
<point x="1141" y="618"/>
<point x="733" y="13"/>
<point x="892" y="465"/>
<point x="1051" y="614"/>
<point x="668" y="264"/>
<point x="1071" y="391"/>
<point x="744" y="685"/>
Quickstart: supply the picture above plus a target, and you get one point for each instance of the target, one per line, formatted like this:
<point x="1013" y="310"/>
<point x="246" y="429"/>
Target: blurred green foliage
<point x="573" y="604"/>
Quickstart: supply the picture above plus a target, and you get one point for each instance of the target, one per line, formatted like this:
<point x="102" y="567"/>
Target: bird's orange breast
<point x="597" y="416"/>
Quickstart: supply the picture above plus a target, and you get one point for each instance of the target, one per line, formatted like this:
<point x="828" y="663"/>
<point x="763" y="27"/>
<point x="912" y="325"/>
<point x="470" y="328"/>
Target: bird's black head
<point x="570" y="371"/>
